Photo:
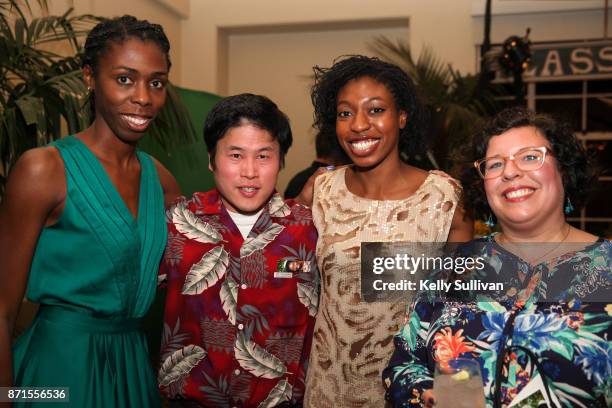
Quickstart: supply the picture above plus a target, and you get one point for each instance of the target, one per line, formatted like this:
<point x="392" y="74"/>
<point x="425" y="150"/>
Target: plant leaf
<point x="172" y="125"/>
<point x="30" y="108"/>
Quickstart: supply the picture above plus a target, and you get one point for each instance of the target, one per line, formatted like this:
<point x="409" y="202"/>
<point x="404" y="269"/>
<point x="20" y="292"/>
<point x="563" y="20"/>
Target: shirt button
<point x="240" y="326"/>
<point x="237" y="371"/>
<point x="243" y="286"/>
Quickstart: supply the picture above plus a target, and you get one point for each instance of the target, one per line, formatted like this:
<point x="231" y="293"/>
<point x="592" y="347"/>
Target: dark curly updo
<point x="572" y="159"/>
<point x="329" y="82"/>
<point x="117" y="30"/>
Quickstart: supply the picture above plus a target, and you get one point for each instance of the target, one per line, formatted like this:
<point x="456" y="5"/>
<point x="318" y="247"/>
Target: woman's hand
<point x="306" y="195"/>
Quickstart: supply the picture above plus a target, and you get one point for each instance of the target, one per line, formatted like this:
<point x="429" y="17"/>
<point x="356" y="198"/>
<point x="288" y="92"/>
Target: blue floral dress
<point x="566" y="342"/>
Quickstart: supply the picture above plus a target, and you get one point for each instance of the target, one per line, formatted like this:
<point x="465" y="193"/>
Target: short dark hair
<point x="573" y="162"/>
<point x="117" y="30"/>
<point x="326" y="149"/>
<point x="329" y="82"/>
<point x="257" y="110"/>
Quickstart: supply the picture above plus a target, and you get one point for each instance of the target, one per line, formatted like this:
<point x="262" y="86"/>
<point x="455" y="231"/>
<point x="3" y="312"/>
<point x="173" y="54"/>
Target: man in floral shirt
<point x="238" y="328"/>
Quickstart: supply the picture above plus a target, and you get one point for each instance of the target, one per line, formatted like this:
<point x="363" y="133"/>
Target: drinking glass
<point x="458" y="384"/>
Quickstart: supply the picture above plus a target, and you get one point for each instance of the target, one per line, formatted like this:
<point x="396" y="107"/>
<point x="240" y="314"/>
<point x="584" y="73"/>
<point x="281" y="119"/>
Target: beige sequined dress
<point x="353" y="340"/>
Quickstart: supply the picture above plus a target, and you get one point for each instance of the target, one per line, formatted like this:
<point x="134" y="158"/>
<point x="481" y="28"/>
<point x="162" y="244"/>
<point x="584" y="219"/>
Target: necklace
<point x="536" y="260"/>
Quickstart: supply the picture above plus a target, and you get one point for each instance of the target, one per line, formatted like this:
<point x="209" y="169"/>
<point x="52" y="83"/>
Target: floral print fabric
<point x="570" y="339"/>
<point x="237" y="329"/>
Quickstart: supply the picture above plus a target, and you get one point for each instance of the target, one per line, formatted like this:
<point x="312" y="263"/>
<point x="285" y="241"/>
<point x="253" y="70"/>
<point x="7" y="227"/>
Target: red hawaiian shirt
<point x="239" y="312"/>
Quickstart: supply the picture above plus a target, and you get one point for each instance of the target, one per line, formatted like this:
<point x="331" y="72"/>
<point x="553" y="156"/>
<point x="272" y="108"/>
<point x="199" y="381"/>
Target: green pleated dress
<point x="94" y="273"/>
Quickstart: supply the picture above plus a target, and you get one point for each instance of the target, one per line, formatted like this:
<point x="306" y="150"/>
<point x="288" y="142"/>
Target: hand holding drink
<point x="458" y="384"/>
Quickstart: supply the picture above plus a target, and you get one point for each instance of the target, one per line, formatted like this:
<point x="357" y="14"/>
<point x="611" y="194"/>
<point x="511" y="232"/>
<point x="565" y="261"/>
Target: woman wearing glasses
<point x="549" y="329"/>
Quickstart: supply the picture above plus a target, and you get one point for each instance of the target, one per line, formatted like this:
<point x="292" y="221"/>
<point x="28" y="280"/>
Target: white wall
<point x="200" y="31"/>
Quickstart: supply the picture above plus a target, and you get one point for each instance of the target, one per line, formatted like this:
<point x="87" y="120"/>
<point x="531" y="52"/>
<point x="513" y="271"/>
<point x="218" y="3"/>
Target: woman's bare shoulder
<point x="38" y="178"/>
<point x="41" y="165"/>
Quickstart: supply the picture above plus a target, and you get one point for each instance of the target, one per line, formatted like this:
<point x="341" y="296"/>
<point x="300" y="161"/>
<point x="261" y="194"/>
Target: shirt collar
<point x="209" y="203"/>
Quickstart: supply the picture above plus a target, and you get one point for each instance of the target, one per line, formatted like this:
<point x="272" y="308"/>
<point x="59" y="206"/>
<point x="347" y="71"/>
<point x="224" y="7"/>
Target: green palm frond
<point x="173" y="125"/>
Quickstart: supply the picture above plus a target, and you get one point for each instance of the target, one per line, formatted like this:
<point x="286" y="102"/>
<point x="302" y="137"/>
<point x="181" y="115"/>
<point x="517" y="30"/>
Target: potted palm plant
<point x="42" y="95"/>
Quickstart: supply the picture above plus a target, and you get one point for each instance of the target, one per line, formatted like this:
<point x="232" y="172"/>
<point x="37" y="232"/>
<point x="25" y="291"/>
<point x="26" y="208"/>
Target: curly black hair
<point x="117" y="30"/>
<point x="573" y="162"/>
<point x="329" y="82"/>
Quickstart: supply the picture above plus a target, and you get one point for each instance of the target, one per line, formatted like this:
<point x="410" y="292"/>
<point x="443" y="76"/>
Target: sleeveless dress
<point x="94" y="274"/>
<point x="353" y="340"/>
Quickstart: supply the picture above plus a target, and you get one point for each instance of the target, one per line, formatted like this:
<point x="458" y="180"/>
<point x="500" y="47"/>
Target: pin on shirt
<point x="288" y="268"/>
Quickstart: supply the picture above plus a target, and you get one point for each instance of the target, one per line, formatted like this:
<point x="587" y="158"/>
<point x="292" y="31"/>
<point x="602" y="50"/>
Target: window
<point x="587" y="105"/>
<point x="573" y="80"/>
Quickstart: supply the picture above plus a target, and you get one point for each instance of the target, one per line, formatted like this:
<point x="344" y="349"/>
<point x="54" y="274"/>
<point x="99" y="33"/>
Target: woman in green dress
<point x="82" y="230"/>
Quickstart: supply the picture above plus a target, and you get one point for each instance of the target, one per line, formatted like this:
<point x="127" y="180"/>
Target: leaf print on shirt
<point x="174" y="248"/>
<point x="411" y="330"/>
<point x="538" y="333"/>
<point x="217" y="335"/>
<point x="563" y="391"/>
<point x="280" y="393"/>
<point x="277" y="207"/>
<point x="268" y="313"/>
<point x="241" y="387"/>
<point x="256" y="360"/>
<point x="308" y="293"/>
<point x="229" y="299"/>
<point x="180" y="363"/>
<point x="251" y="245"/>
<point x="286" y="346"/>
<point x="206" y="272"/>
<point x="172" y="340"/>
<point x="192" y="227"/>
<point x="254" y="320"/>
<point x="216" y="393"/>
<point x="596" y="368"/>
<point x="253" y="270"/>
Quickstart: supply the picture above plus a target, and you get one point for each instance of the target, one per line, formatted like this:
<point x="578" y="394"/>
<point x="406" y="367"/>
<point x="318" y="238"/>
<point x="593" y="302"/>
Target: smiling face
<point x="245" y="167"/>
<point x="129" y="87"/>
<point x="368" y="122"/>
<point x="524" y="198"/>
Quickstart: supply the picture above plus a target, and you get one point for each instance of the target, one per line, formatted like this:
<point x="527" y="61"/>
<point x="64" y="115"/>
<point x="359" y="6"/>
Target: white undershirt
<point x="244" y="222"/>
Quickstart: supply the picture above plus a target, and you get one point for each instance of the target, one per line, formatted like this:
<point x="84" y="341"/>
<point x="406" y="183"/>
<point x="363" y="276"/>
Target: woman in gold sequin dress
<point x="372" y="107"/>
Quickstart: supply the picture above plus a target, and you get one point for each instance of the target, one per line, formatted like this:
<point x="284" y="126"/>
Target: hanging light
<point x="516" y="53"/>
